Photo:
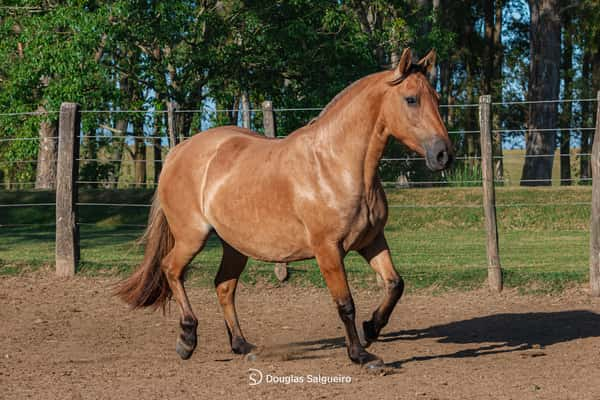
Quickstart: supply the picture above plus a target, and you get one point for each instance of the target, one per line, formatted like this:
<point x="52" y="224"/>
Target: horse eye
<point x="411" y="100"/>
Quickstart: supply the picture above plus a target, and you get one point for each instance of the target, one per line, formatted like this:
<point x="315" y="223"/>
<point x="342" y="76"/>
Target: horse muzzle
<point x="438" y="155"/>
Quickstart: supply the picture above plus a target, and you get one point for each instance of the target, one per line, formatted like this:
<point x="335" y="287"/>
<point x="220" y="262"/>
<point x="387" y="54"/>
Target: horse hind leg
<point x="232" y="265"/>
<point x="173" y="266"/>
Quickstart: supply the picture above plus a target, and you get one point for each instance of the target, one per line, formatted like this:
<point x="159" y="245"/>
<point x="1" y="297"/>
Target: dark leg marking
<point x="188" y="339"/>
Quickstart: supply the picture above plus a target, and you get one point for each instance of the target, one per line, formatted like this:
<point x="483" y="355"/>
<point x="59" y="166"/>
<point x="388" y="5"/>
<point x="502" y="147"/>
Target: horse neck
<point x="352" y="137"/>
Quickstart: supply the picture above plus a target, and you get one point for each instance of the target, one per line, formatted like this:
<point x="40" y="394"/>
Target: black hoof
<point x="184" y="350"/>
<point x="366" y="359"/>
<point x="240" y="346"/>
<point x="370" y="332"/>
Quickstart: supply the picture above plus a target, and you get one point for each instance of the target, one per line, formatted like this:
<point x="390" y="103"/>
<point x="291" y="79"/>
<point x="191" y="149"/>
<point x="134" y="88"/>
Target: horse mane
<point x="335" y="100"/>
<point x="414" y="68"/>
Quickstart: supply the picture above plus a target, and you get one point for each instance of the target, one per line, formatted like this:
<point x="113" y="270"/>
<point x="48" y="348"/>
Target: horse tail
<point x="148" y="285"/>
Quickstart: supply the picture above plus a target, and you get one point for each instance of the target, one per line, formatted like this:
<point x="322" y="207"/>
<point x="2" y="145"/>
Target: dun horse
<point x="313" y="194"/>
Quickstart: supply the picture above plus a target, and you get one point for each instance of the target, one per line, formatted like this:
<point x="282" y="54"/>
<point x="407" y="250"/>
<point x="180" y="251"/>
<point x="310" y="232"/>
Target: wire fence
<point x="103" y="165"/>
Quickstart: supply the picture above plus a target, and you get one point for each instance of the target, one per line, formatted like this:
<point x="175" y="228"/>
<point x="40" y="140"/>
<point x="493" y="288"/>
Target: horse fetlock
<point x="189" y="324"/>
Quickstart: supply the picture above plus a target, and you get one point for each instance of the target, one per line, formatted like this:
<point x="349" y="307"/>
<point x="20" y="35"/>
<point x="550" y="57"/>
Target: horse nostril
<point x="442" y="158"/>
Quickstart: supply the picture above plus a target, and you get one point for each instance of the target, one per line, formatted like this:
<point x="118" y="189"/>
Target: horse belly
<point x="265" y="241"/>
<point x="255" y="216"/>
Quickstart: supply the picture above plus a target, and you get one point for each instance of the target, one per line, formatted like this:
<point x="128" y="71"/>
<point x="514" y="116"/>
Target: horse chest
<point x="370" y="219"/>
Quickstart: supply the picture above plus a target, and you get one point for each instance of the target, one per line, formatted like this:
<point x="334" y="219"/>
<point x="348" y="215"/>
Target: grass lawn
<point x="434" y="242"/>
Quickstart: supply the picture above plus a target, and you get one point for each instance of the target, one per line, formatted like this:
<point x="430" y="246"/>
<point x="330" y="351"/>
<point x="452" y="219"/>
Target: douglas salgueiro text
<point x="293" y="379"/>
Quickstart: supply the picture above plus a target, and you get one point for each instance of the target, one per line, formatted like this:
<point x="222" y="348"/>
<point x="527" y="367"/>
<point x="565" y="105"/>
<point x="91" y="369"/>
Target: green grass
<point x="434" y="244"/>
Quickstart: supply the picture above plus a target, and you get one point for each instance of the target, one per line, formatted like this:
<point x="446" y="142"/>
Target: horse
<point x="313" y="194"/>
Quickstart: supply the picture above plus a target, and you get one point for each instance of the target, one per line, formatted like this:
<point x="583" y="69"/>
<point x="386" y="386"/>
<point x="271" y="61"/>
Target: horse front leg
<point x="330" y="260"/>
<point x="378" y="256"/>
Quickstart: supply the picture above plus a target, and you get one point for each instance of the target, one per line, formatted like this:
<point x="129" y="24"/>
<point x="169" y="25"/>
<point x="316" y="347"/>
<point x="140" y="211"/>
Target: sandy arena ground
<point x="69" y="339"/>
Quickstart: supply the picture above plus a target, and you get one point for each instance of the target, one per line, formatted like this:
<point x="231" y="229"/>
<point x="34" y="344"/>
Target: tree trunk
<point x="586" y="107"/>
<point x="185" y="125"/>
<point x="565" y="116"/>
<point x="543" y="85"/>
<point x="139" y="155"/>
<point x="89" y="155"/>
<point x="121" y="125"/>
<point x="117" y="149"/>
<point x="233" y="114"/>
<point x="595" y="84"/>
<point x="245" y="110"/>
<point x="488" y="52"/>
<point x="157" y="146"/>
<point x="498" y="60"/>
<point x="47" y="153"/>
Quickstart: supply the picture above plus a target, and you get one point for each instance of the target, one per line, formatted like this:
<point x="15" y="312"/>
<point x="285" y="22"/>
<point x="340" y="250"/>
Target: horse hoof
<point x="240" y="346"/>
<point x="364" y="358"/>
<point x="184" y="350"/>
<point x="374" y="366"/>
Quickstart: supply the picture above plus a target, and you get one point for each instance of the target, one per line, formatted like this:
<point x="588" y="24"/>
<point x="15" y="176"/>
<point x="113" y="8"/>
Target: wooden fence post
<point x="281" y="270"/>
<point x="489" y="196"/>
<point x="595" y="220"/>
<point x="67" y="232"/>
<point x="172" y="123"/>
<point x="268" y="119"/>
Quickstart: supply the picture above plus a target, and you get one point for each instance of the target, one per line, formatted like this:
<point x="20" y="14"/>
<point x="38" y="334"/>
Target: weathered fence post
<point x="172" y="123"/>
<point x="595" y="220"/>
<point x="489" y="196"/>
<point x="246" y="117"/>
<point x="281" y="270"/>
<point x="268" y="119"/>
<point x="67" y="232"/>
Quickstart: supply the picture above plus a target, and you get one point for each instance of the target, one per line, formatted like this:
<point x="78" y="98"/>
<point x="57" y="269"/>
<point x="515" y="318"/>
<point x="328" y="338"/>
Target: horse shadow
<point x="492" y="334"/>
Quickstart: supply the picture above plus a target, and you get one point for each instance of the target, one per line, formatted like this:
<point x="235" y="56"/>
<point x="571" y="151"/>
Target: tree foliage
<point x="142" y="54"/>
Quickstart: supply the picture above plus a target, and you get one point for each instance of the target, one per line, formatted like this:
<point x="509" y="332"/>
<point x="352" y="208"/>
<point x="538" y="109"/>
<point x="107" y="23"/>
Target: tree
<point x="49" y="56"/>
<point x="543" y="85"/>
<point x="566" y="109"/>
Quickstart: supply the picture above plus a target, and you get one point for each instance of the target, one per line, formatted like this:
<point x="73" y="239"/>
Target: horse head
<point x="410" y="111"/>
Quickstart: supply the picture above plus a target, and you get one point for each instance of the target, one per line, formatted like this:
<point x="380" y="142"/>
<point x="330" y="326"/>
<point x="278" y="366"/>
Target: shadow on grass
<point x="492" y="334"/>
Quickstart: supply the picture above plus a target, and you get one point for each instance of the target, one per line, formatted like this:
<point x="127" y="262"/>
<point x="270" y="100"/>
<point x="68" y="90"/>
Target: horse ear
<point x="428" y="63"/>
<point x="403" y="65"/>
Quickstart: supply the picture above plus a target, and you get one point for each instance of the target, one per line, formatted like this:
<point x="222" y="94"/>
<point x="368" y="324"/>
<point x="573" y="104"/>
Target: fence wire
<point x="476" y="251"/>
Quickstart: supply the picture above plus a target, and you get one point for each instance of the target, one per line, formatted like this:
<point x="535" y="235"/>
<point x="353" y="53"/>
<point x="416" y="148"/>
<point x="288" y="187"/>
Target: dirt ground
<point x="69" y="339"/>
